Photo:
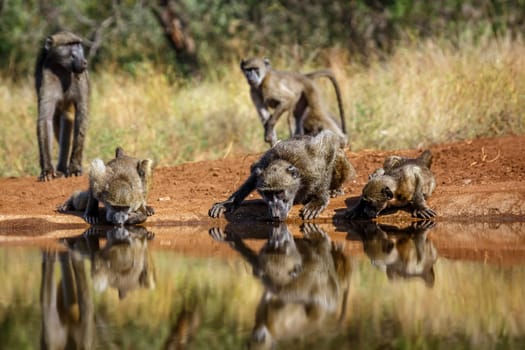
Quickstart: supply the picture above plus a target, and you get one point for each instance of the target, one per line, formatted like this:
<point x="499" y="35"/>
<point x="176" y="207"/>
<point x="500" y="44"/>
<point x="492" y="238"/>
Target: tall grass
<point x="426" y="92"/>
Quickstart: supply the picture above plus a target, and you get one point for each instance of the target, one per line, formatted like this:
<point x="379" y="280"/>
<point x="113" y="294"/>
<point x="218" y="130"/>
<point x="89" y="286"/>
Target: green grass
<point x="426" y="92"/>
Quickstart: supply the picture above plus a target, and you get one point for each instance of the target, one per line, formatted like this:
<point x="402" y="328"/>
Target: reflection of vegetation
<point x="471" y="305"/>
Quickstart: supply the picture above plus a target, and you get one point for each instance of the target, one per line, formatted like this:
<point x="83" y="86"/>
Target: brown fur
<point x="121" y="185"/>
<point x="401" y="253"/>
<point x="306" y="283"/>
<point x="303" y="170"/>
<point x="62" y="87"/>
<point x="403" y="182"/>
<point x="290" y="92"/>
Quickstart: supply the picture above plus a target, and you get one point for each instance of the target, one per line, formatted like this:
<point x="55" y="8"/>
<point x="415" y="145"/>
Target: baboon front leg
<point x="269" y="127"/>
<point x="235" y="199"/>
<point x="91" y="212"/>
<point x="421" y="209"/>
<point x="316" y="205"/>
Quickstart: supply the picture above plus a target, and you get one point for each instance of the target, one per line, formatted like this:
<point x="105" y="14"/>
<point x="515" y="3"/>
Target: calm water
<point x="360" y="286"/>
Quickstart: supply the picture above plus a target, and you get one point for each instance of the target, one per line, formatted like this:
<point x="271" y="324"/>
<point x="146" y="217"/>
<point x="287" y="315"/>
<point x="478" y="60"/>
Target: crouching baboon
<point x="62" y="87"/>
<point x="303" y="170"/>
<point x="402" y="181"/>
<point x="306" y="283"/>
<point x="400" y="252"/>
<point x="290" y="92"/>
<point x="121" y="185"/>
<point x="123" y="263"/>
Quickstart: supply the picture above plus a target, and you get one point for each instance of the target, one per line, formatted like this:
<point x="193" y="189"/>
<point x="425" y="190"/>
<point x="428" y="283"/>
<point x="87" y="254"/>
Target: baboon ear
<point x="387" y="192"/>
<point x="243" y="62"/>
<point x="49" y="43"/>
<point x="293" y="171"/>
<point x="258" y="171"/>
<point x="266" y="61"/>
<point x="144" y="167"/>
<point x="119" y="152"/>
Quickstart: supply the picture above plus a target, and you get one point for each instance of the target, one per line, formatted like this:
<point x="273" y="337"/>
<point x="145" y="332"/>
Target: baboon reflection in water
<point x="306" y="282"/>
<point x="402" y="253"/>
<point x="123" y="263"/>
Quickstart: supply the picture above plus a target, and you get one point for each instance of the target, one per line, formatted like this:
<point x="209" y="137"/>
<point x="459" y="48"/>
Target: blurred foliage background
<point x="166" y="82"/>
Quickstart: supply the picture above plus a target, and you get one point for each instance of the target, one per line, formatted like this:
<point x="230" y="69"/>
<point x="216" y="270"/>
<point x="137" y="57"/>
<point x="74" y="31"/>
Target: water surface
<point x="362" y="285"/>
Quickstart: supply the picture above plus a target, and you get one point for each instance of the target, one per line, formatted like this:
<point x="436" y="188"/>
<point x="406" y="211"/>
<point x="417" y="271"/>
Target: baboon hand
<point x="312" y="210"/>
<point x="91" y="219"/>
<point x="220" y="208"/>
<point x="149" y="210"/>
<point x="424" y="213"/>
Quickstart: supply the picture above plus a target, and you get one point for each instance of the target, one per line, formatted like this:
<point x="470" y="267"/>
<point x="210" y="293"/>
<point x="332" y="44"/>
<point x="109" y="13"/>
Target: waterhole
<point x="360" y="285"/>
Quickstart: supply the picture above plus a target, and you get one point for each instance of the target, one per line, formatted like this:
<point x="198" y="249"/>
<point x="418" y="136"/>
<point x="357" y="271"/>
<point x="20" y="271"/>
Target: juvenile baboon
<point x="306" y="283"/>
<point x="123" y="263"/>
<point x="62" y="87"/>
<point x="293" y="92"/>
<point x="400" y="252"/>
<point x="304" y="169"/>
<point x="403" y="181"/>
<point x="121" y="185"/>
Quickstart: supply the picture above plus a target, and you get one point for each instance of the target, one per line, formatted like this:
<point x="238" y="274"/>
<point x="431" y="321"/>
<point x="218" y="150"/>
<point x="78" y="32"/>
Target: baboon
<point x="403" y="181"/>
<point x="62" y="87"/>
<point x="121" y="185"/>
<point x="400" y="252"/>
<point x="293" y="92"/>
<point x="123" y="263"/>
<point x="300" y="170"/>
<point x="306" y="283"/>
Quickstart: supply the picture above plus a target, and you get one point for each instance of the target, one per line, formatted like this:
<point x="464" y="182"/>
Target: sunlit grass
<point x="426" y="92"/>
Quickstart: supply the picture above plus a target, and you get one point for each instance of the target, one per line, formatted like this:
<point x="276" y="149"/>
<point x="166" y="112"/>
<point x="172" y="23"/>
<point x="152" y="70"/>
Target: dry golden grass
<point x="427" y="92"/>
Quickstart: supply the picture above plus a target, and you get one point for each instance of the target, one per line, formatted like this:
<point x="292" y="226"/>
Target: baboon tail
<point x="328" y="74"/>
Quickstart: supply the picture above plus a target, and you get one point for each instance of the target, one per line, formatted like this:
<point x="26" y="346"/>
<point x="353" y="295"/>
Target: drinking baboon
<point x="62" y="87"/>
<point x="122" y="185"/>
<point x="306" y="169"/>
<point x="290" y="92"/>
<point x="402" y="182"/>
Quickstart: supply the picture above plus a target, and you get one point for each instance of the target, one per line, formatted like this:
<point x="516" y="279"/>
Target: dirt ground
<point x="480" y="180"/>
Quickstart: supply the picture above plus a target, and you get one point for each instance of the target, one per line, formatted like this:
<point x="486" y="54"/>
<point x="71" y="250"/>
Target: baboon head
<point x="279" y="260"/>
<point x="255" y="70"/>
<point x="64" y="49"/>
<point x="278" y="184"/>
<point x="376" y="195"/>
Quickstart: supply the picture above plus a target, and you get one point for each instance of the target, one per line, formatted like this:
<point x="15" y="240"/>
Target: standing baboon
<point x="402" y="182"/>
<point x="306" y="169"/>
<point x="62" y="87"/>
<point x="293" y="92"/>
<point x="122" y="185"/>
